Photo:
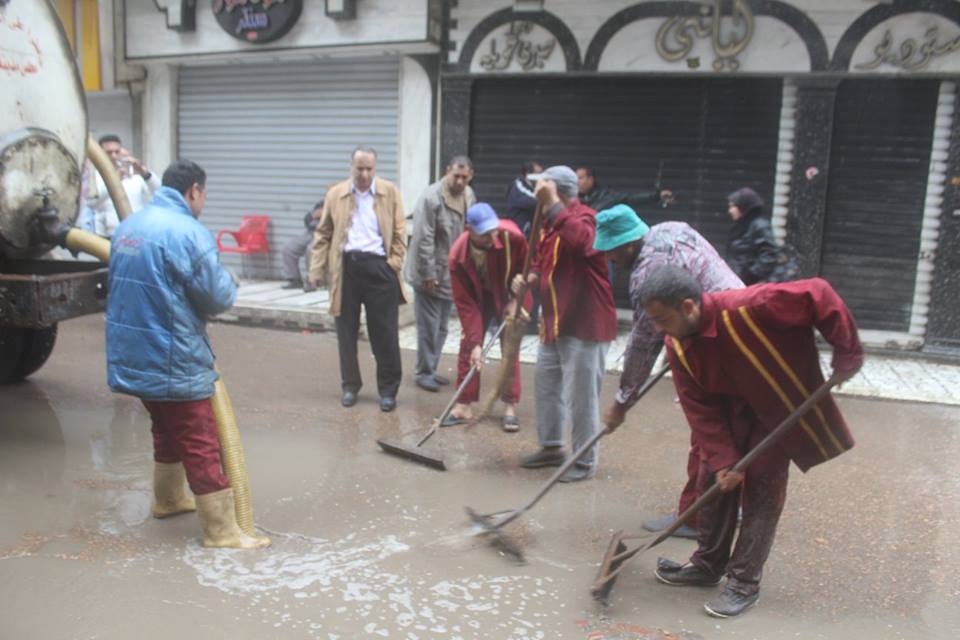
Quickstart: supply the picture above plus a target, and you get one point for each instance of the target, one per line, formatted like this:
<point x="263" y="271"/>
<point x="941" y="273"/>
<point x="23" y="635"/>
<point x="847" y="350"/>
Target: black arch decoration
<point x="856" y="32"/>
<point x="797" y="20"/>
<point x="550" y="22"/>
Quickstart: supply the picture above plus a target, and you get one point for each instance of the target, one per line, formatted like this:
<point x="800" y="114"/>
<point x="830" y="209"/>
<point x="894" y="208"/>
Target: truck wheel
<point x="12" y="341"/>
<point x="38" y="347"/>
<point x="23" y="351"/>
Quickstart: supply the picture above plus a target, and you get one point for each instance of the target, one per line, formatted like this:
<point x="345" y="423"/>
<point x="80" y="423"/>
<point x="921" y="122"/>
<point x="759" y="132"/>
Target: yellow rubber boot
<point x="170" y="495"/>
<point x="219" y="520"/>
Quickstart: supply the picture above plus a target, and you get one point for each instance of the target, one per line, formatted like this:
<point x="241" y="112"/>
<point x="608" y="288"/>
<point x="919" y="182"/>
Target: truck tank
<point x="43" y="133"/>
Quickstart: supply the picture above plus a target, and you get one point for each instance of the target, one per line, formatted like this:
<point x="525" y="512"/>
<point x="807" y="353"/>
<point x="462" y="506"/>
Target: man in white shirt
<point x="139" y="183"/>
<point x="359" y="249"/>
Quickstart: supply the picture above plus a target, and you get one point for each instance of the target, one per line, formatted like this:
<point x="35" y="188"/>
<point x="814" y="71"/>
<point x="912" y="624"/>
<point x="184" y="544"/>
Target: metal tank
<point x="43" y="133"/>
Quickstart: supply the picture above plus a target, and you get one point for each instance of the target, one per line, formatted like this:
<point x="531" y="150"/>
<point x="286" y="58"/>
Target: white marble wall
<point x="774" y="47"/>
<point x="160" y="116"/>
<point x="377" y="22"/>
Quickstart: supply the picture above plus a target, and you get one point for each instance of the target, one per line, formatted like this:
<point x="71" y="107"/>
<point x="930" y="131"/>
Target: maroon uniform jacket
<point x="575" y="293"/>
<point x="754" y="361"/>
<point x="504" y="261"/>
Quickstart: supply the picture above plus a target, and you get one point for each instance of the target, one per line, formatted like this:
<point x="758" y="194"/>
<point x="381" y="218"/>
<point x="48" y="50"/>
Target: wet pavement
<point x="371" y="546"/>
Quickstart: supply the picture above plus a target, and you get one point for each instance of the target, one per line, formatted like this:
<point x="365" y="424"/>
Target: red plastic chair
<point x="250" y="238"/>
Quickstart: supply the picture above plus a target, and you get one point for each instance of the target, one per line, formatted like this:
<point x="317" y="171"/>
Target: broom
<point x="515" y="326"/>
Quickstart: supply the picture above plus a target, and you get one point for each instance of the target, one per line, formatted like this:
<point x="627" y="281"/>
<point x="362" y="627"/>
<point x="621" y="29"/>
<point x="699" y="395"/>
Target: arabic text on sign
<point x="676" y="37"/>
<point x="527" y="54"/>
<point x="911" y="55"/>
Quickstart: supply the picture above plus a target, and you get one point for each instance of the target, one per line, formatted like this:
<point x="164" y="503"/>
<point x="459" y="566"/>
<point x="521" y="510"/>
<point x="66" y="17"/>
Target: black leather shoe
<point x="730" y="603"/>
<point x="388" y="404"/>
<point x="348" y="398"/>
<point x="293" y="284"/>
<point x="689" y="575"/>
<point x="427" y="383"/>
<point x="441" y="380"/>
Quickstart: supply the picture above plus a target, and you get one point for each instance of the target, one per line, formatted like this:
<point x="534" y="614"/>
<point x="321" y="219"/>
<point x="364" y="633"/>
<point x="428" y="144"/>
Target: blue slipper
<point x="452" y="421"/>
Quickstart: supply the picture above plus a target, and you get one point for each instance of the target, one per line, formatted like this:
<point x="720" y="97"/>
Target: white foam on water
<point x="348" y="577"/>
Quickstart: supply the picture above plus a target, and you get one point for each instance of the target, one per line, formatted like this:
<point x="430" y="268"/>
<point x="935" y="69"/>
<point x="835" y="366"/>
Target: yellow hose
<point x="231" y="450"/>
<point x="231" y="455"/>
<point x="101" y="161"/>
<point x="78" y="240"/>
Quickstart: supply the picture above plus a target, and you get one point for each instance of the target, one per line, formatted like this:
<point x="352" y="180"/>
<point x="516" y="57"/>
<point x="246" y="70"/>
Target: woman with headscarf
<point x="752" y="252"/>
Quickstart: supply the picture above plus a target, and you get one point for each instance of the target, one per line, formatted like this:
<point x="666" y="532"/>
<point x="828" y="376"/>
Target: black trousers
<point x="369" y="281"/>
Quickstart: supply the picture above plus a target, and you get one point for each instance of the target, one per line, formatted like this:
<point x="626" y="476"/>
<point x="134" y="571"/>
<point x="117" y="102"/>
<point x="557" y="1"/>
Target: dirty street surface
<point x="367" y="545"/>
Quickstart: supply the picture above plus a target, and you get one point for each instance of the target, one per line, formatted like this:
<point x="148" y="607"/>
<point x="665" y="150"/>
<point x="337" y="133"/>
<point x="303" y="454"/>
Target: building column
<point x="454" y="117"/>
<point x="160" y="125"/>
<point x="815" y="98"/>
<point x="416" y="130"/>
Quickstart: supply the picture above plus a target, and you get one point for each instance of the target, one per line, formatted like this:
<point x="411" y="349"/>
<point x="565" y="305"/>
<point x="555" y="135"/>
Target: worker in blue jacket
<point x="165" y="282"/>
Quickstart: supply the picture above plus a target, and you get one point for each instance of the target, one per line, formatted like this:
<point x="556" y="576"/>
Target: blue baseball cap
<point x="617" y="226"/>
<point x="482" y="218"/>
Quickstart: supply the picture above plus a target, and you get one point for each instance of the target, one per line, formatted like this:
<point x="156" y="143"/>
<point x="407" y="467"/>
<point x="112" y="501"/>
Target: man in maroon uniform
<point x="483" y="261"/>
<point x="742" y="360"/>
<point x="577" y="323"/>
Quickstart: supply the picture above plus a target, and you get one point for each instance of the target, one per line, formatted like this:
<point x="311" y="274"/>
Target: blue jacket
<point x="165" y="281"/>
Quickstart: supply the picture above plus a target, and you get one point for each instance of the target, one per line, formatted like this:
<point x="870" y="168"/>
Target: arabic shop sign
<point x="521" y="46"/>
<point x="729" y="34"/>
<point x="257" y="21"/>
<point x="911" y="54"/>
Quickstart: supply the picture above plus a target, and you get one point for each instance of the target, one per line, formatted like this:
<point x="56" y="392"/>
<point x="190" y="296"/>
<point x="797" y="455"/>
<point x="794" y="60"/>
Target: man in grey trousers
<point x="437" y="221"/>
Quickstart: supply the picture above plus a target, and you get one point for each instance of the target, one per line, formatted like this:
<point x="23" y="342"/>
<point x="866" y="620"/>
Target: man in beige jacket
<point x="359" y="249"/>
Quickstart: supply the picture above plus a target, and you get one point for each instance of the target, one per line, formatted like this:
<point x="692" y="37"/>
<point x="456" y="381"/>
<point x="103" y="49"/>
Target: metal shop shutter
<point x="879" y="162"/>
<point x="708" y="136"/>
<point x="273" y="137"/>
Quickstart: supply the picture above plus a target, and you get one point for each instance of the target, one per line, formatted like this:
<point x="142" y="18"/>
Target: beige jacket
<point x="326" y="261"/>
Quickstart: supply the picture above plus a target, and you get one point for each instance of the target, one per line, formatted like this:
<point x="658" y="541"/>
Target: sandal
<point x="453" y="421"/>
<point x="510" y="424"/>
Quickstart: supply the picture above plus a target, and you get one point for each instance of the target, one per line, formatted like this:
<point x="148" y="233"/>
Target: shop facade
<point x="272" y="97"/>
<point x="842" y="117"/>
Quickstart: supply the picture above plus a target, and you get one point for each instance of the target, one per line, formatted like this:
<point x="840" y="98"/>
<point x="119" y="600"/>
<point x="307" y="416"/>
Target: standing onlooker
<point x="483" y="261"/>
<point x="600" y="197"/>
<point x="360" y="246"/>
<point x="630" y="244"/>
<point x="437" y="222"/>
<point x="299" y="246"/>
<point x="752" y="251"/>
<point x="165" y="282"/>
<point x="577" y="323"/>
<point x="521" y="204"/>
<point x="742" y="360"/>
<point x="139" y="183"/>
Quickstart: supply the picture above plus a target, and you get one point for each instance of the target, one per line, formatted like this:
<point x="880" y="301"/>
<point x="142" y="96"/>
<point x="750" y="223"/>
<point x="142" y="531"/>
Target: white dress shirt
<point x="139" y="193"/>
<point x="364" y="232"/>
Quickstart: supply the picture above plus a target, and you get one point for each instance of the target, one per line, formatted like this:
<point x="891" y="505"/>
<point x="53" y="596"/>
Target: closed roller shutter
<point x="709" y="137"/>
<point x="879" y="163"/>
<point x="273" y="137"/>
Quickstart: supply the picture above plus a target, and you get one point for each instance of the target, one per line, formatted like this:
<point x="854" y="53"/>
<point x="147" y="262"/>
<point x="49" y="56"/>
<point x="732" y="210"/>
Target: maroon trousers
<point x="187" y="432"/>
<point x="762" y="497"/>
<point x="471" y="393"/>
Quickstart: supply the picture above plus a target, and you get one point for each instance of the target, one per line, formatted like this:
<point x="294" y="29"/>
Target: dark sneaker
<point x="578" y="473"/>
<point x="427" y="383"/>
<point x="441" y="380"/>
<point x="388" y="404"/>
<point x="548" y="457"/>
<point x="689" y="575"/>
<point x="730" y="603"/>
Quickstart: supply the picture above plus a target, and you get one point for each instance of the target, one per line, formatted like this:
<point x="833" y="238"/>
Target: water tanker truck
<point x="43" y="140"/>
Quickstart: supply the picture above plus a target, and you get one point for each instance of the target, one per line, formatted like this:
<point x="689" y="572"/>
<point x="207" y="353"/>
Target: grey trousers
<point x="291" y="252"/>
<point x="432" y="314"/>
<point x="568" y="377"/>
